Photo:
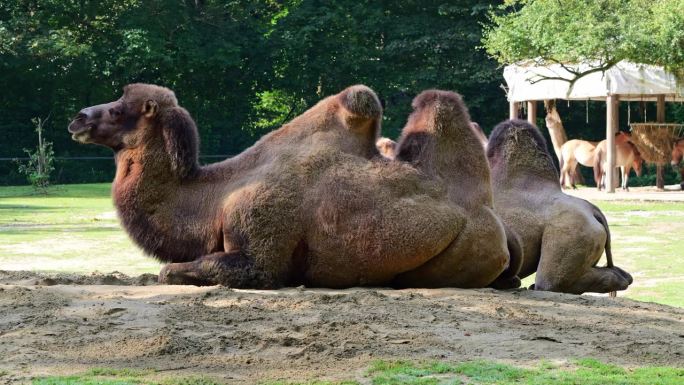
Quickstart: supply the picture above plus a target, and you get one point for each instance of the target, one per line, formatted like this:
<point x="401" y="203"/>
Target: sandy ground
<point x="67" y="323"/>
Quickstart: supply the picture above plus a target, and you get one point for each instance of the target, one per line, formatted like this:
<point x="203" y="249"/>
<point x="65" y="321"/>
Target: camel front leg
<point x="232" y="269"/>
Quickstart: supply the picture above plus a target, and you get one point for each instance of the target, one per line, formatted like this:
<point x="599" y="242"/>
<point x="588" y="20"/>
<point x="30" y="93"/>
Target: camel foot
<point x="595" y="280"/>
<point x="229" y="269"/>
<point x="181" y="274"/>
<point x="506" y="283"/>
<point x="623" y="274"/>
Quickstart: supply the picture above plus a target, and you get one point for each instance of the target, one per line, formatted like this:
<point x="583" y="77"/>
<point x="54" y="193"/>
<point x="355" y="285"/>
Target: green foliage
<point x="241" y="67"/>
<point x="604" y="32"/>
<point x="244" y="67"/>
<point x="39" y="165"/>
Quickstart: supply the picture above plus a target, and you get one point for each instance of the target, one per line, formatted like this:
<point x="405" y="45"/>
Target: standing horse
<point x="626" y="157"/>
<point x="572" y="152"/>
<point x="677" y="155"/>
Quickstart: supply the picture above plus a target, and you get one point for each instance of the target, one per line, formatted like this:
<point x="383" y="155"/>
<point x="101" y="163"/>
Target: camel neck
<point x="155" y="208"/>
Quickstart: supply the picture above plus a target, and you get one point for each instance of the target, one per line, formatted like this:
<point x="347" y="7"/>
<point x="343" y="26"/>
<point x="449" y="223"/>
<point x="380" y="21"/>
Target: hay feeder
<point x="655" y="140"/>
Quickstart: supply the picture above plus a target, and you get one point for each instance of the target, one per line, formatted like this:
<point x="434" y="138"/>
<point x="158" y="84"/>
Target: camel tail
<point x="602" y="219"/>
<point x="609" y="254"/>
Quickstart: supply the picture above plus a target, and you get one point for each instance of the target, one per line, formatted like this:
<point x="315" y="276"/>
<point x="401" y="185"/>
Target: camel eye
<point x="115" y="112"/>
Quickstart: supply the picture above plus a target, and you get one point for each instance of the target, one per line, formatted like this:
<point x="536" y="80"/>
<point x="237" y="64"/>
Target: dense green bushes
<point x="241" y="68"/>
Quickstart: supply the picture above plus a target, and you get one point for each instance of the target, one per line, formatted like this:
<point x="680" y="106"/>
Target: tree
<point x="397" y="48"/>
<point x="599" y="32"/>
<point x="39" y="165"/>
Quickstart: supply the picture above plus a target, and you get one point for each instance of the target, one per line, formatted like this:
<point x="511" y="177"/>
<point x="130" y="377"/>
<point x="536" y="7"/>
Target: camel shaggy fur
<point x="310" y="203"/>
<point x="563" y="237"/>
<point x="439" y="124"/>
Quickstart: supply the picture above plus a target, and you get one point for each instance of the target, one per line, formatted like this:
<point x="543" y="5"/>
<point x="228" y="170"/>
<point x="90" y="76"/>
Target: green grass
<point x="74" y="228"/>
<point x="648" y="242"/>
<point x="583" y="371"/>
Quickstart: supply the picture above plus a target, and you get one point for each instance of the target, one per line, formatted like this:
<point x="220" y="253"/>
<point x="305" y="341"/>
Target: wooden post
<point x="611" y="130"/>
<point x="532" y="112"/>
<point x="513" y="110"/>
<point x="660" y="118"/>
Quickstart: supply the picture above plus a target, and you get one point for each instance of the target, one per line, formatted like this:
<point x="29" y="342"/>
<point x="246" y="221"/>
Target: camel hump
<point x="448" y="109"/>
<point x="361" y="101"/>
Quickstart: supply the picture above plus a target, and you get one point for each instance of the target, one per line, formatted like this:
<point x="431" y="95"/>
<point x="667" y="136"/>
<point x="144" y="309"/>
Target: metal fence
<point x="74" y="169"/>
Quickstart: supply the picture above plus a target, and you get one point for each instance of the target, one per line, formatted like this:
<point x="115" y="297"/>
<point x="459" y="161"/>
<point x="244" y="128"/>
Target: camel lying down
<point x="562" y="237"/>
<point x="315" y="203"/>
<point x="311" y="203"/>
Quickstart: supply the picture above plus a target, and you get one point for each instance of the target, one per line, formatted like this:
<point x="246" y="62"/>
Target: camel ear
<point x="149" y="108"/>
<point x="180" y="140"/>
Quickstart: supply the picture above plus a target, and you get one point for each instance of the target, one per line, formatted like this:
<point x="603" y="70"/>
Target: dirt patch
<point x="27" y="278"/>
<point x="244" y="336"/>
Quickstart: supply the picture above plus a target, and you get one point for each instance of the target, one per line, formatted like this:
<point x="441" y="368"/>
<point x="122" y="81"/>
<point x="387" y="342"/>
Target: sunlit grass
<point x="583" y="371"/>
<point x="74" y="228"/>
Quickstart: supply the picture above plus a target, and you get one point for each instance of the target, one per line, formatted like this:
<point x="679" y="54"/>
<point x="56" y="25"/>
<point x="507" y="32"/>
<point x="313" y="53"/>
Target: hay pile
<point x="655" y="140"/>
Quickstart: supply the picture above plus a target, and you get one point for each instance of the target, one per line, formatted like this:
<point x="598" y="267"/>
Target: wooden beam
<point x="611" y="130"/>
<point x="532" y="112"/>
<point x="660" y="118"/>
<point x="513" y="110"/>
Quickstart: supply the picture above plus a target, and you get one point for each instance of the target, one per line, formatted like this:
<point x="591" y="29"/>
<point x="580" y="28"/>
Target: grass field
<point x="586" y="372"/>
<point x="74" y="228"/>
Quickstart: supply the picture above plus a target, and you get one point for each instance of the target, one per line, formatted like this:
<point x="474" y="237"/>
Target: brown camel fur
<point x="386" y="147"/>
<point x="479" y="134"/>
<point x="439" y="124"/>
<point x="563" y="237"/>
<point x="311" y="203"/>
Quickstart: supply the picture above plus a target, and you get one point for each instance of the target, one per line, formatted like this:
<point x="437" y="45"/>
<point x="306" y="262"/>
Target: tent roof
<point x="630" y="81"/>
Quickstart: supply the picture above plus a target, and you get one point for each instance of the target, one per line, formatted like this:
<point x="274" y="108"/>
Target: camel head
<point x="677" y="152"/>
<point x="386" y="146"/>
<point x="517" y="145"/>
<point x="144" y="114"/>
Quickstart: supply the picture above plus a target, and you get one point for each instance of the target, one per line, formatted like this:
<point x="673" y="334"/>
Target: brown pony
<point x="627" y="157"/>
<point x="573" y="152"/>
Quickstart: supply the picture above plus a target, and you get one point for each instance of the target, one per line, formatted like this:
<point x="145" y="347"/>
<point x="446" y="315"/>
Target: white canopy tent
<point x="624" y="81"/>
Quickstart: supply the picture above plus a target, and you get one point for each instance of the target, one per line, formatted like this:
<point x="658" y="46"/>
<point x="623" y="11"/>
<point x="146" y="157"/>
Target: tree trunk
<point x="557" y="133"/>
<point x="660" y="177"/>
